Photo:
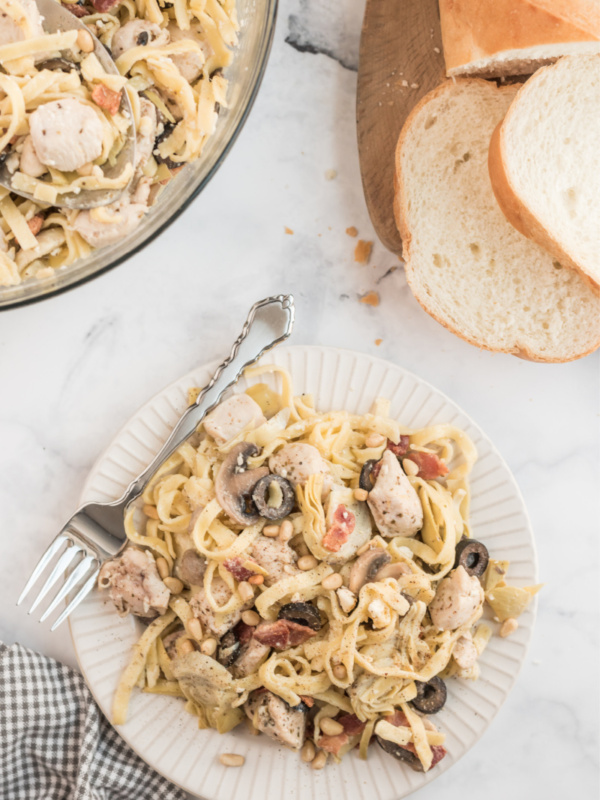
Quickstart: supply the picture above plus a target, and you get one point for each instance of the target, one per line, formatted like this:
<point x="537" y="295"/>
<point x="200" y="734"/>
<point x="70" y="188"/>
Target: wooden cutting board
<point x="401" y="60"/>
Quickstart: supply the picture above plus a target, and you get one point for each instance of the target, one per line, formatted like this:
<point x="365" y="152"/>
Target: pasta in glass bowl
<point x="240" y="79"/>
<point x="364" y="646"/>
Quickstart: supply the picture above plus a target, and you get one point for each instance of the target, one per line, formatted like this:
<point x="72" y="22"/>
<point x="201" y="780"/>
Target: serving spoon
<point x="56" y="19"/>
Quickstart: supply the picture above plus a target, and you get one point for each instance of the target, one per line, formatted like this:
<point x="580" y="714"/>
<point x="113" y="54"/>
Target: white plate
<point x="159" y="729"/>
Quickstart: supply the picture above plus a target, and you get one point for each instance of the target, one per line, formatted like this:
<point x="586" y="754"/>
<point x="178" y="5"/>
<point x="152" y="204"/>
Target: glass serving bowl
<point x="257" y="24"/>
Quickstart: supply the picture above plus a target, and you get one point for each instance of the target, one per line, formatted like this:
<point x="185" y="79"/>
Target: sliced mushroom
<point x="366" y="567"/>
<point x="393" y="571"/>
<point x="229" y="649"/>
<point x="191" y="568"/>
<point x="367" y="478"/>
<point x="235" y="482"/>
<point x="401" y="753"/>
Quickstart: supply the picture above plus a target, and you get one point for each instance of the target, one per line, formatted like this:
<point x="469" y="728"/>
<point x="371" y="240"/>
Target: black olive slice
<point x="473" y="556"/>
<point x="367" y="479"/>
<point x="168" y="128"/>
<point x="228" y="649"/>
<point x="303" y="614"/>
<point x="401" y="753"/>
<point x="431" y="696"/>
<point x="260" y="495"/>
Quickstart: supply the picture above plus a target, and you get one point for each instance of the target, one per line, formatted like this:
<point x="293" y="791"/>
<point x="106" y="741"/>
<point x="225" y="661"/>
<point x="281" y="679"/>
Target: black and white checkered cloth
<point x="55" y="744"/>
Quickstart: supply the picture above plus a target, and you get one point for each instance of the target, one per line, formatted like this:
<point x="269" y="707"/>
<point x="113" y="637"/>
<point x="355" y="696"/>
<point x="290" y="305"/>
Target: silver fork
<point x="96" y="531"/>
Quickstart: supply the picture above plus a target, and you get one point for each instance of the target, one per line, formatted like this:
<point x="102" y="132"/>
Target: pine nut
<point x="250" y="618"/>
<point x="209" y="646"/>
<point x="245" y="591"/>
<point x="307" y="562"/>
<point x="162" y="567"/>
<point x="286" y="531"/>
<point x="330" y="727"/>
<point x="340" y="672"/>
<point x="289" y="569"/>
<point x="174" y="585"/>
<point x="360" y="495"/>
<point x="195" y="628"/>
<point x="150" y="511"/>
<point x="271" y="530"/>
<point x="409" y="466"/>
<point x="374" y="440"/>
<point x="231" y="760"/>
<point x="85" y="42"/>
<point x="308" y="752"/>
<point x="332" y="582"/>
<point x="184" y="646"/>
<point x="319" y="760"/>
<point x="509" y="626"/>
<point x="256" y="580"/>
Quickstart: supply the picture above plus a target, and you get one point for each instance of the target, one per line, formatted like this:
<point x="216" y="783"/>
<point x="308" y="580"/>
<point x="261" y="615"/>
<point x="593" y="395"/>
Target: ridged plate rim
<point x="158" y="728"/>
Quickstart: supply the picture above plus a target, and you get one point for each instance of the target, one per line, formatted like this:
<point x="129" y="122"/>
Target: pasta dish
<point x="311" y="574"/>
<point x="62" y="122"/>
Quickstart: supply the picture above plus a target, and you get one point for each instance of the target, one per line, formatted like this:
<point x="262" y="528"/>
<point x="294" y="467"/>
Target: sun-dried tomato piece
<point x="239" y="572"/>
<point x="282" y="634"/>
<point x="430" y="465"/>
<point x="106" y="98"/>
<point x="400" y="449"/>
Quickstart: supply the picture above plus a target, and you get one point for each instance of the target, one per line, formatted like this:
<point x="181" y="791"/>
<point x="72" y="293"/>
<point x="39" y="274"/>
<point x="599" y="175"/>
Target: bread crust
<point x="473" y="30"/>
<point x="400" y="215"/>
<point x="511" y="205"/>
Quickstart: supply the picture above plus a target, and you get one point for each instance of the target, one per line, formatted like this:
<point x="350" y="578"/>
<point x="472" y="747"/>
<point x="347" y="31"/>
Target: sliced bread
<point x="494" y="38"/>
<point x="544" y="163"/>
<point x="466" y="265"/>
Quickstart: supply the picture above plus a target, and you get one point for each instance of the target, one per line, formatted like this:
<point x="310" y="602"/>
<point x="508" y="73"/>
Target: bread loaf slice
<point x="495" y="38"/>
<point x="466" y="265"/>
<point x="544" y="163"/>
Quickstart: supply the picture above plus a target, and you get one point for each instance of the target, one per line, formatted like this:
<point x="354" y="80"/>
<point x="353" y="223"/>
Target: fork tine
<point x="42" y="564"/>
<point x="87" y="587"/>
<point x="73" y="579"/>
<point x="61" y="565"/>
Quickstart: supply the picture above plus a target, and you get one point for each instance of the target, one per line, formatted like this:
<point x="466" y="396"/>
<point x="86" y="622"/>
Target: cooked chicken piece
<point x="456" y="600"/>
<point x="123" y="217"/>
<point x="232" y="416"/>
<point x="189" y="64"/>
<point x="28" y="24"/>
<point x="274" y="556"/>
<point x="464" y="652"/>
<point x="394" y="503"/>
<point x="272" y="715"/>
<point x="134" y="584"/>
<point x="146" y="132"/>
<point x="66" y="134"/>
<point x="201" y="608"/>
<point x="251" y="658"/>
<point x="297" y="462"/>
<point x="136" y="33"/>
<point x="30" y="163"/>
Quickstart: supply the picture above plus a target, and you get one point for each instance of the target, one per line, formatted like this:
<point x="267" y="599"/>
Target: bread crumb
<point x="330" y="174"/>
<point x="414" y="86"/>
<point x="352" y="231"/>
<point x="404" y="83"/>
<point x="378" y="342"/>
<point x="436" y="50"/>
<point x="288" y="230"/>
<point x="370" y="299"/>
<point x="362" y="251"/>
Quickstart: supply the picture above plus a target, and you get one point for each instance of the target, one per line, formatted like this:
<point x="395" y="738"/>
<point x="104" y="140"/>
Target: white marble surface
<point x="75" y="368"/>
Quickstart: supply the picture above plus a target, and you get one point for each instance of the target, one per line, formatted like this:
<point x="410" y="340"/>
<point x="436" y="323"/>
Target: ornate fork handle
<point x="269" y="322"/>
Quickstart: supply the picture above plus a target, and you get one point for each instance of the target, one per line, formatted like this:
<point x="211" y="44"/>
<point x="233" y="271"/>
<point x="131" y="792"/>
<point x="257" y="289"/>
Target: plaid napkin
<point x="55" y="744"/>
